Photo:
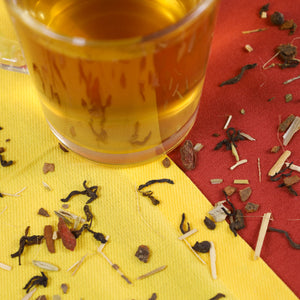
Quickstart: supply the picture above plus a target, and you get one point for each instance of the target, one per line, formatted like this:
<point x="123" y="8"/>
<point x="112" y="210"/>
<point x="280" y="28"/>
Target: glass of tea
<point x="119" y="80"/>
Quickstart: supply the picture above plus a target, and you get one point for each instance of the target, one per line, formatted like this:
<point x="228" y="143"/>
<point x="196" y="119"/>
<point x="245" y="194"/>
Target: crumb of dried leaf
<point x="48" y="167"/>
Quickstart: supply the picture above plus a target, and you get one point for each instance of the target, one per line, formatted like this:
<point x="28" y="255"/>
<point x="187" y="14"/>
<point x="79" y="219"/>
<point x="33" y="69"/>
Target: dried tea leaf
<point x="64" y="288"/>
<point x="251" y="207"/>
<point x="288" y="98"/>
<point x="289" y="181"/>
<point x="275" y="149"/>
<point x="143" y="253"/>
<point x="210" y="224"/>
<point x="202" y="247"/>
<point x="48" y="167"/>
<point x="188" y="156"/>
<point x="45" y="265"/>
<point x="245" y="193"/>
<point x="43" y="212"/>
<point x="286" y="123"/>
<point x="238" y="221"/>
<point x="42" y="297"/>
<point x="48" y="234"/>
<point x="229" y="190"/>
<point x="277" y="18"/>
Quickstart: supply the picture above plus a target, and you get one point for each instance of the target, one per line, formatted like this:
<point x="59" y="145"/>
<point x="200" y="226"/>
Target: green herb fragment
<point x="288" y="98"/>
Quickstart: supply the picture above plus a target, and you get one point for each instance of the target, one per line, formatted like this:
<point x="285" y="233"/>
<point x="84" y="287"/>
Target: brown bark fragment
<point x="245" y="193"/>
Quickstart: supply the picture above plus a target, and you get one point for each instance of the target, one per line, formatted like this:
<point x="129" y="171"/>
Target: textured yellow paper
<point x="120" y="212"/>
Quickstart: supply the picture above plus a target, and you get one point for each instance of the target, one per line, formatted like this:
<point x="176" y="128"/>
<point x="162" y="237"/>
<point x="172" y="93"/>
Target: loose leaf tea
<point x="143" y="253"/>
<point x="233" y="136"/>
<point x="218" y="296"/>
<point x="26" y="240"/>
<point x="277" y="18"/>
<point x="5" y="163"/>
<point x="202" y="247"/>
<point x="149" y="194"/>
<point x="210" y="224"/>
<point x="251" y="207"/>
<point x="182" y="225"/>
<point x="36" y="280"/>
<point x="89" y="191"/>
<point x="239" y="76"/>
<point x="291" y="242"/>
<point x="43" y="212"/>
<point x="48" y="167"/>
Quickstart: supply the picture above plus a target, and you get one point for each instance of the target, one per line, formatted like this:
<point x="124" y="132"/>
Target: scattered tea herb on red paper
<point x="291" y="242"/>
<point x="239" y="76"/>
<point x="245" y="193"/>
<point x="210" y="224"/>
<point x="288" y="98"/>
<point x="202" y="247"/>
<point x="286" y="123"/>
<point x="275" y="149"/>
<point x="233" y="136"/>
<point x="229" y="190"/>
<point x="68" y="239"/>
<point x="181" y="226"/>
<point x="289" y="25"/>
<point x="89" y="191"/>
<point x="35" y="281"/>
<point x="277" y="18"/>
<point x="26" y="240"/>
<point x="218" y="296"/>
<point x="263" y="10"/>
<point x="143" y="253"/>
<point x="254" y="30"/>
<point x="237" y="221"/>
<point x="187" y="155"/>
<point x="251" y="207"/>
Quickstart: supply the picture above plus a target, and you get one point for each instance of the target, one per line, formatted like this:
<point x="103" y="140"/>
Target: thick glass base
<point x="133" y="158"/>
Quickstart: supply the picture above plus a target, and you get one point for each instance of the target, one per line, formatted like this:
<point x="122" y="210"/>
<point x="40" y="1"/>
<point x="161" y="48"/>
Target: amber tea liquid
<point x="109" y="90"/>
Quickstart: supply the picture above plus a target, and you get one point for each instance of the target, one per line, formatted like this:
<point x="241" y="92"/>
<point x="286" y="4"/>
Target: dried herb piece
<point x="264" y="9"/>
<point x="68" y="239"/>
<point x="229" y="190"/>
<point x="43" y="212"/>
<point x="202" y="247"/>
<point x="288" y="98"/>
<point x="188" y="155"/>
<point x="5" y="163"/>
<point x="289" y="24"/>
<point x="143" y="253"/>
<point x="288" y="181"/>
<point x="237" y="221"/>
<point x="277" y="18"/>
<point x="245" y="193"/>
<point x="48" y="167"/>
<point x="44" y="265"/>
<point x="251" y="207"/>
<point x="149" y="194"/>
<point x="64" y="288"/>
<point x="210" y="224"/>
<point x="239" y="76"/>
<point x="42" y="297"/>
<point x="89" y="191"/>
<point x="275" y="149"/>
<point x="26" y="240"/>
<point x="48" y="234"/>
<point x="182" y="225"/>
<point x="153" y="297"/>
<point x="291" y="242"/>
<point x="286" y="123"/>
<point x="2" y="149"/>
<point x="166" y="162"/>
<point x="159" y="269"/>
<point x="233" y="136"/>
<point x="36" y="280"/>
<point x="218" y="296"/>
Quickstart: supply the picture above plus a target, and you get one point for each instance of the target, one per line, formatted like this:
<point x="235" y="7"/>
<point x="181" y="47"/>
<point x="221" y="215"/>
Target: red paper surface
<point x="261" y="120"/>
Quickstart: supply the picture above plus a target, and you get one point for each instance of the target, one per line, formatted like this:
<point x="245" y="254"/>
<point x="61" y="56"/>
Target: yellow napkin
<point x="120" y="212"/>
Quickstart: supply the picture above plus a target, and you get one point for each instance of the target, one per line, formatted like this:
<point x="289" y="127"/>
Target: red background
<point x="261" y="120"/>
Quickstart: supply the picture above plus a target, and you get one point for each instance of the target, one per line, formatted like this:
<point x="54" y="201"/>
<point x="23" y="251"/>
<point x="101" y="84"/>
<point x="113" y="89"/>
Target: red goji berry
<point x="68" y="239"/>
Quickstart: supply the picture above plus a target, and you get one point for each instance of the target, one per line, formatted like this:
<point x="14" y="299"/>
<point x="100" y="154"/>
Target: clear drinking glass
<point x="120" y="80"/>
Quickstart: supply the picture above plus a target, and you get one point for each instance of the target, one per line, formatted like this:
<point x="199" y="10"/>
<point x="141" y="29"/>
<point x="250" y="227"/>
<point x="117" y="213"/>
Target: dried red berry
<point x="68" y="239"/>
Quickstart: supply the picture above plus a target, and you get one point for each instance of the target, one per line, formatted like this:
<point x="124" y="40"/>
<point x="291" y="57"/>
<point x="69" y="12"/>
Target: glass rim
<point x="37" y="26"/>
